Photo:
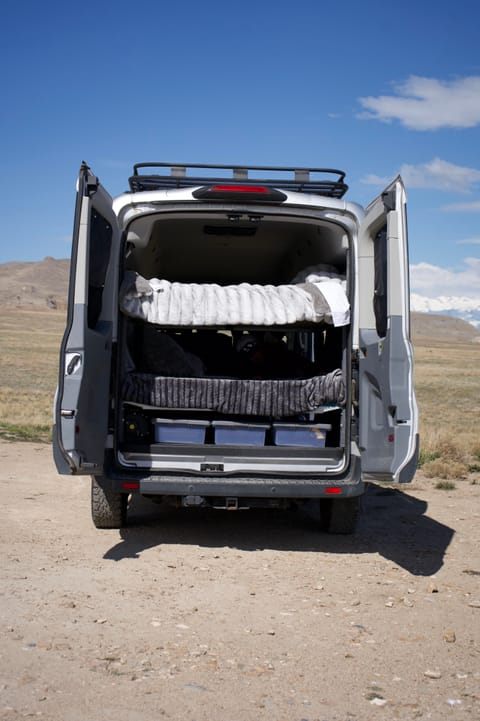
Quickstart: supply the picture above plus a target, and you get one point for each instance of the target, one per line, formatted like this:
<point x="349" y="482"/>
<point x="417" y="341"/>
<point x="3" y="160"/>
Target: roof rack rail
<point x="301" y="180"/>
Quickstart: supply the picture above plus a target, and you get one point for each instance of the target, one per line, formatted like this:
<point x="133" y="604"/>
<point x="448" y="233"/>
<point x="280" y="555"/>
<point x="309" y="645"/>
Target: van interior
<point x="173" y="380"/>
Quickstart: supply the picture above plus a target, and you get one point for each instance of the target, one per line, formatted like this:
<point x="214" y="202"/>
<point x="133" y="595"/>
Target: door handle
<point x="74" y="362"/>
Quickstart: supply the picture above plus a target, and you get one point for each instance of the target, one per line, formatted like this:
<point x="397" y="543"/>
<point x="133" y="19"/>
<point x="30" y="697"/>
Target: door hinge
<point x="88" y="465"/>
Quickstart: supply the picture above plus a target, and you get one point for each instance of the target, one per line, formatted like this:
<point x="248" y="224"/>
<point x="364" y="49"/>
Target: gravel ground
<point x="221" y="616"/>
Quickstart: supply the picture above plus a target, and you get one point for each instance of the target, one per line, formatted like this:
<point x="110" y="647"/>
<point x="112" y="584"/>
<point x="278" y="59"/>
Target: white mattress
<point x="320" y="299"/>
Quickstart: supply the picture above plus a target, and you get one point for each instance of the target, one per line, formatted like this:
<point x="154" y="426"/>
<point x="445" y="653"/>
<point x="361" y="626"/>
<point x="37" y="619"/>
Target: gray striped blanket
<point x="236" y="396"/>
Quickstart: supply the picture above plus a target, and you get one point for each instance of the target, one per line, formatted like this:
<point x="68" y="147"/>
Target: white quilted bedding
<point x="192" y="304"/>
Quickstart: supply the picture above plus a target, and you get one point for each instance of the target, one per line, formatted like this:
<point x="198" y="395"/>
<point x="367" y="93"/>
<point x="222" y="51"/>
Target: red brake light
<point x="333" y="490"/>
<point x="239" y="192"/>
<point x="239" y="189"/>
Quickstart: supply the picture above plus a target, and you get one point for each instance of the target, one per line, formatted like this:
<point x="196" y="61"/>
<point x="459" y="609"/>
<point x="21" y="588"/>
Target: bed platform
<point x="271" y="398"/>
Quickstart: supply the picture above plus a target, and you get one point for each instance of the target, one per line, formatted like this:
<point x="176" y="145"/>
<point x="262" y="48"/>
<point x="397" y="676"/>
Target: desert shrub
<point x="445" y="455"/>
<point x="445" y="486"/>
<point x="441" y="468"/>
<point x="425" y="456"/>
<point x="475" y="460"/>
<point x="451" y="450"/>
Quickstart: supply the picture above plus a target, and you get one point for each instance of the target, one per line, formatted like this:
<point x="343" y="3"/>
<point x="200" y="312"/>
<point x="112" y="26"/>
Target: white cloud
<point x="376" y="180"/>
<point x="432" y="281"/>
<point x="441" y="175"/>
<point x="437" y="173"/>
<point x="428" y="104"/>
<point x="473" y="207"/>
<point x="469" y="241"/>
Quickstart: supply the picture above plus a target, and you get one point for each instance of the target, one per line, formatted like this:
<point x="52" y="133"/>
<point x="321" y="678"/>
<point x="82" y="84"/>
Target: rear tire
<point x="109" y="508"/>
<point x="339" y="515"/>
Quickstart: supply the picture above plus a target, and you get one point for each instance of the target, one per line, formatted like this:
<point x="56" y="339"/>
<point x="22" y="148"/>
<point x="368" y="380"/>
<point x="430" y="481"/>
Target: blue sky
<point x="373" y="88"/>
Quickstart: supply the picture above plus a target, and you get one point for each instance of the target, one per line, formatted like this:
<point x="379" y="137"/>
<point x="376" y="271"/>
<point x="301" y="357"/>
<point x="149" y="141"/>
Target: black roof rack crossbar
<point x="301" y="180"/>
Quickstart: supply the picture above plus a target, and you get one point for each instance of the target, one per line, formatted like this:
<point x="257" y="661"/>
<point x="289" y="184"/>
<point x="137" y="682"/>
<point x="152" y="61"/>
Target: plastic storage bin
<point x="285" y="434"/>
<point x="230" y="433"/>
<point x="168" y="430"/>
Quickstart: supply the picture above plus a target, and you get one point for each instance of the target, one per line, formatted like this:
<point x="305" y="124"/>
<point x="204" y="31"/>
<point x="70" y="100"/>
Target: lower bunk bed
<point x="164" y="410"/>
<point x="234" y="396"/>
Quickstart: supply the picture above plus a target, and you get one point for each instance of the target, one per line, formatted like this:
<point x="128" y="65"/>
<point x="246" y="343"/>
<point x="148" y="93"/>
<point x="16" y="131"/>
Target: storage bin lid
<point x="302" y="426"/>
<point x="241" y="426"/>
<point x="180" y="422"/>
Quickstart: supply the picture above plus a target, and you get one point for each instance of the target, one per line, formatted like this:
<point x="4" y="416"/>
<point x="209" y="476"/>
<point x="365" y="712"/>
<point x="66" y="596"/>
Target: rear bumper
<point x="348" y="484"/>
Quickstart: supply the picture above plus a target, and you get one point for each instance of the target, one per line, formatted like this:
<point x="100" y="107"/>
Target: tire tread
<point x="109" y="508"/>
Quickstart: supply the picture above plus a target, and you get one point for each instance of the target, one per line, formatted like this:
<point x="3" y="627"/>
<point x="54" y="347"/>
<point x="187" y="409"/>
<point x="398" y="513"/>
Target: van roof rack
<point x="300" y="179"/>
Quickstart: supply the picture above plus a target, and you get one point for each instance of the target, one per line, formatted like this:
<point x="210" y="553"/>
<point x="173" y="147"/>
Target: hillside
<point x="44" y="284"/>
<point x="429" y="328"/>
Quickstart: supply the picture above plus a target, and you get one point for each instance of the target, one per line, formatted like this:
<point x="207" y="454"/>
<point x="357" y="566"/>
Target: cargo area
<point x="234" y="338"/>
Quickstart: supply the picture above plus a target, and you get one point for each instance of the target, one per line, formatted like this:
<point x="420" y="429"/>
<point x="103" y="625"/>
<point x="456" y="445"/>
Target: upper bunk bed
<point x="315" y="296"/>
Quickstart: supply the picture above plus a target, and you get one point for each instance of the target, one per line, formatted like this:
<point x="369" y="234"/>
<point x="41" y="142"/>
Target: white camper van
<point x="236" y="337"/>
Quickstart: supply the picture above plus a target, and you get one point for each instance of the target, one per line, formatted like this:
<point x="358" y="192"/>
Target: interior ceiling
<point x="232" y="251"/>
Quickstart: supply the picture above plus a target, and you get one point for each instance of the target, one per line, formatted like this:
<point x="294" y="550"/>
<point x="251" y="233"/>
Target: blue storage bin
<point x="169" y="430"/>
<point x="295" y="434"/>
<point x="231" y="433"/>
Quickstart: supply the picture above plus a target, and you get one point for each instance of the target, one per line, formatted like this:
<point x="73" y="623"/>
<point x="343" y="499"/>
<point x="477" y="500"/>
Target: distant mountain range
<point x="456" y="306"/>
<point x="44" y="284"/>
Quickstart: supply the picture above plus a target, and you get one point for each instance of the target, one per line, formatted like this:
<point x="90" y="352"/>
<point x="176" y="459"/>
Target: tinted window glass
<point x="99" y="254"/>
<point x="380" y="291"/>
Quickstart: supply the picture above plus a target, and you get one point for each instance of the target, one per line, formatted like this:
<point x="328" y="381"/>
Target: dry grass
<point x="447" y="384"/>
<point x="29" y="345"/>
<point x="448" y="392"/>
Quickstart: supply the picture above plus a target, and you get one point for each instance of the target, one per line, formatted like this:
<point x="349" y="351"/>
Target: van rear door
<point x="388" y="416"/>
<point x="83" y="394"/>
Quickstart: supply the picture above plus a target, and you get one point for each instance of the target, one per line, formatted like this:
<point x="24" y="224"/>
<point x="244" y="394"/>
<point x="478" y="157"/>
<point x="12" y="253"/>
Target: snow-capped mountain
<point x="466" y="308"/>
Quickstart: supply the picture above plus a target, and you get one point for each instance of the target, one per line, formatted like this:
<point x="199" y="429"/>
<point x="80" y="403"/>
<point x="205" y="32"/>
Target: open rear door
<point x="82" y="402"/>
<point x="388" y="417"/>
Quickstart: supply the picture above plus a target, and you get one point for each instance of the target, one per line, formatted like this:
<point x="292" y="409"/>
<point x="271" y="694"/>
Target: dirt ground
<point x="224" y="616"/>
